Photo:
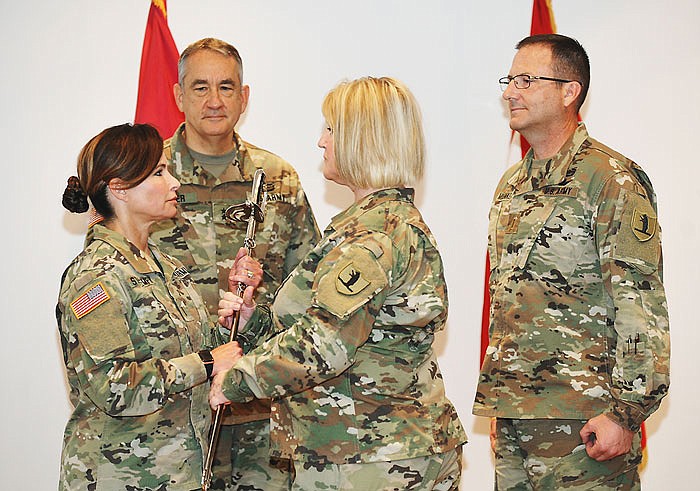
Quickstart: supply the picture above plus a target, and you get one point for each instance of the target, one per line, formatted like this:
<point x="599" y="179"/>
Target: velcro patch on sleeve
<point x="637" y="242"/>
<point x="351" y="282"/>
<point x="89" y="301"/>
<point x="104" y="333"/>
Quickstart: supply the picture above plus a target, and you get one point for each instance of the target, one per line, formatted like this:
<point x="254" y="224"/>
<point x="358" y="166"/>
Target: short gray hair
<point x="213" y="44"/>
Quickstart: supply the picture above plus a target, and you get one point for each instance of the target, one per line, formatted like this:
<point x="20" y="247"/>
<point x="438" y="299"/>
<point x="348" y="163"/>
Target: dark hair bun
<point x="74" y="198"/>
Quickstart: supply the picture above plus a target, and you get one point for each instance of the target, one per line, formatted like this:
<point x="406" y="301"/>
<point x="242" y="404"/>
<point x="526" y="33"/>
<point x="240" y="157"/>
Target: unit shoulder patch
<point x="643" y="224"/>
<point x="351" y="282"/>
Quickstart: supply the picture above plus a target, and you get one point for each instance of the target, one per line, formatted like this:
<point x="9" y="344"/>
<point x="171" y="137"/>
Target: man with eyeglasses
<point x="215" y="168"/>
<point x="578" y="353"/>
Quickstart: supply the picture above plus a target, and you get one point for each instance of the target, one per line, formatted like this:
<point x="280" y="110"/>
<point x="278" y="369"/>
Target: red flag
<point x="156" y="103"/>
<point x="542" y="18"/>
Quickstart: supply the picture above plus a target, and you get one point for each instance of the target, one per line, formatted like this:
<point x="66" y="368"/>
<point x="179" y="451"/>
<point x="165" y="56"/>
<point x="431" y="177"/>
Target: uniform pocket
<point x="579" y="470"/>
<point x="559" y="242"/>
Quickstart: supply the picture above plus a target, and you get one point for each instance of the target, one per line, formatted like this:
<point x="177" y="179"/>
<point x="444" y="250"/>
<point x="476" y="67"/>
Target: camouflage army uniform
<point x="130" y="330"/>
<point x="206" y="244"/>
<point x="352" y="369"/>
<point x="579" y="323"/>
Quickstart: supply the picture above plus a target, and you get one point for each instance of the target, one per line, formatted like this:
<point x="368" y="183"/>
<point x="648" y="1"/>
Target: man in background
<point x="215" y="168"/>
<point x="578" y="354"/>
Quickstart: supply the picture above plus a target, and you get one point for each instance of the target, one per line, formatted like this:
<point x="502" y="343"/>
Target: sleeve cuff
<point x="626" y="416"/>
<point x="235" y="388"/>
<point x="257" y="329"/>
<point x="191" y="371"/>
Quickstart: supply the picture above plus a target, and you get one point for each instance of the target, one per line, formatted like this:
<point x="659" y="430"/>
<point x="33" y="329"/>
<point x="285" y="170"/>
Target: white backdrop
<point x="70" y="69"/>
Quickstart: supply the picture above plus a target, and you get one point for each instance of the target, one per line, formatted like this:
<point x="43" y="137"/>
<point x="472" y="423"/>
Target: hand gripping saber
<point x="253" y="212"/>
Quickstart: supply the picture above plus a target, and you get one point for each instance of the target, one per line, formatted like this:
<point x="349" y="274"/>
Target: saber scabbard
<point x="253" y="212"/>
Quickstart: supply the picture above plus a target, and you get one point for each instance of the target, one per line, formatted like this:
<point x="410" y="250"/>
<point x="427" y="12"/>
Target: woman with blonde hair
<point x="358" y="398"/>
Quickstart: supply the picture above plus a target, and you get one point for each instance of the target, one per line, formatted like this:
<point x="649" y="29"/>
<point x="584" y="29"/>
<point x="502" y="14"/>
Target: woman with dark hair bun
<point x="135" y="333"/>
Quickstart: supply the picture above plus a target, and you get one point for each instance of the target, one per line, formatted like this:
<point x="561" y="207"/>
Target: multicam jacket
<point x="130" y="329"/>
<point x="579" y="322"/>
<point x="352" y="369"/>
<point x="207" y="243"/>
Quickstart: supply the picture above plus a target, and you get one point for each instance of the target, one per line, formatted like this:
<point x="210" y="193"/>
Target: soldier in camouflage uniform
<point x="215" y="168"/>
<point x="134" y="331"/>
<point x="578" y="355"/>
<point x="358" y="398"/>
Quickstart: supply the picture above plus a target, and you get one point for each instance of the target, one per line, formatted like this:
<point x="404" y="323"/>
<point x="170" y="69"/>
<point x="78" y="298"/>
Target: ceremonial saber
<point x="252" y="211"/>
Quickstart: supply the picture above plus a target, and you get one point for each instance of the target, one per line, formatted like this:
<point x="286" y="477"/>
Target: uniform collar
<point x="369" y="202"/>
<point x="242" y="168"/>
<point x="140" y="262"/>
<point x="555" y="170"/>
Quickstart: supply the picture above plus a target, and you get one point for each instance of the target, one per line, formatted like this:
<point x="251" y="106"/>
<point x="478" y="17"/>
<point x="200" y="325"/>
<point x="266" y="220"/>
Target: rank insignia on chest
<point x="89" y="301"/>
<point x="643" y="225"/>
<point x="350" y="281"/>
<point x="512" y="224"/>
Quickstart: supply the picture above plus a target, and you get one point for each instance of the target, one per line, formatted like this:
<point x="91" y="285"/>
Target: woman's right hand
<point x="225" y="356"/>
<point x="245" y="271"/>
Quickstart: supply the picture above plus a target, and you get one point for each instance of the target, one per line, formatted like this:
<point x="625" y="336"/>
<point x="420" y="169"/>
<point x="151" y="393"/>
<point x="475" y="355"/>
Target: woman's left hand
<point x="230" y="303"/>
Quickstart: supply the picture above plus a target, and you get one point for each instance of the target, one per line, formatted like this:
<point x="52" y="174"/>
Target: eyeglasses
<point x="523" y="81"/>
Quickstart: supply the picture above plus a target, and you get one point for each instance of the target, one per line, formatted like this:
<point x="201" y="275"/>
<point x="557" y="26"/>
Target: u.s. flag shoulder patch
<point x="89" y="301"/>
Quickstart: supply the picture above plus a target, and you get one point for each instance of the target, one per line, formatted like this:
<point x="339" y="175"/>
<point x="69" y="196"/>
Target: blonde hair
<point x="377" y="133"/>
